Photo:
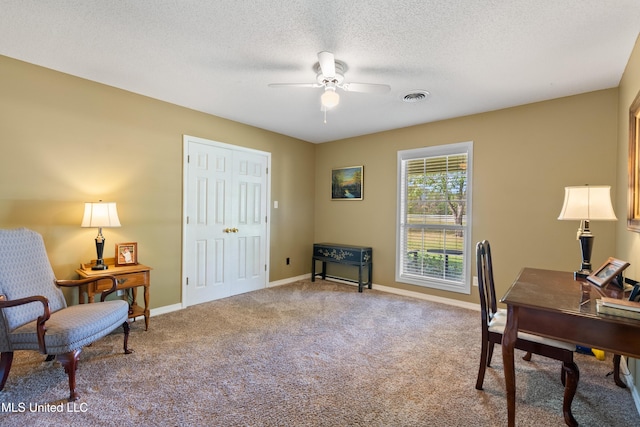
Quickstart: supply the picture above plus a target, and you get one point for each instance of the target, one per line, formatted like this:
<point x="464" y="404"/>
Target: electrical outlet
<point x="288" y="261"/>
<point x="475" y="280"/>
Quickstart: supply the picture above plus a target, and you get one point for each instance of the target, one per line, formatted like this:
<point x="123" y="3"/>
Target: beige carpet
<point x="307" y="354"/>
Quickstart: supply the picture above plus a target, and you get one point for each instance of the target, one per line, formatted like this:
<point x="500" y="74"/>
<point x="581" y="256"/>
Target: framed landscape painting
<point x="633" y="201"/>
<point x="346" y="183"/>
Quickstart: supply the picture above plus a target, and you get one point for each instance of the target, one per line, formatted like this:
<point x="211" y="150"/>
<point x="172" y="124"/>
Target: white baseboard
<point x="634" y="393"/>
<point x="161" y="310"/>
<point x="427" y="297"/>
<point x="413" y="294"/>
<point x="165" y="309"/>
<point x="628" y="379"/>
<point x="288" y="280"/>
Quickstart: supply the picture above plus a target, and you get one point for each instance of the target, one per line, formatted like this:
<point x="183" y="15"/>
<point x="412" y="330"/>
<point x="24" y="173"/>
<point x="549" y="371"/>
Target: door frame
<point x="185" y="181"/>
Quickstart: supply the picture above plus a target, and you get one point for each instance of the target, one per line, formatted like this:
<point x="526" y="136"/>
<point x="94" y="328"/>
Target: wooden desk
<point x="129" y="277"/>
<point x="553" y="304"/>
<point x="357" y="256"/>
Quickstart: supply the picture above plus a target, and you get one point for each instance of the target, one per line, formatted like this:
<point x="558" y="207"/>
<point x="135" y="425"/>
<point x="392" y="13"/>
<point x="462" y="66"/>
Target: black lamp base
<point x="582" y="274"/>
<point x="100" y="265"/>
<point x="586" y="247"/>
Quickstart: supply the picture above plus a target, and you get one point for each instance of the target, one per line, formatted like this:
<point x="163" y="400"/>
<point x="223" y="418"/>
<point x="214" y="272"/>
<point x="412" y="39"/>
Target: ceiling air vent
<point x="415" y="96"/>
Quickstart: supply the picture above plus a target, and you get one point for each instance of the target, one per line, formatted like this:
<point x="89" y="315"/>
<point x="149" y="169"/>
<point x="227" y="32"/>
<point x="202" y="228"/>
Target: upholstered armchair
<point x="34" y="314"/>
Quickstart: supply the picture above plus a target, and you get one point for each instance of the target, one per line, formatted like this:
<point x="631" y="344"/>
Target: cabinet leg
<point x="134" y="296"/>
<point x="126" y="328"/>
<point x="146" y="308"/>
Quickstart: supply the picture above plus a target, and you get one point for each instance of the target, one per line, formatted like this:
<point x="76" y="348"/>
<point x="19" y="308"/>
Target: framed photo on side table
<point x="607" y="272"/>
<point x="126" y="254"/>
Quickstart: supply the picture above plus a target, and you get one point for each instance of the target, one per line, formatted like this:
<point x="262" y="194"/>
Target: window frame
<point x="464" y="284"/>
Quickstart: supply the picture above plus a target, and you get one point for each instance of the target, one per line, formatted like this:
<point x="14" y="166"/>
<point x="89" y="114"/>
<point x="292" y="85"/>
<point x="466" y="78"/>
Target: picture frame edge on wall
<point x="347" y="183"/>
<point x="633" y="199"/>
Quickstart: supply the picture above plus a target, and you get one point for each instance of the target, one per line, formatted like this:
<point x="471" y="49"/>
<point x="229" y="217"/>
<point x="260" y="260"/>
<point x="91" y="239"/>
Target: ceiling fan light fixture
<point x="329" y="98"/>
<point x="330" y="76"/>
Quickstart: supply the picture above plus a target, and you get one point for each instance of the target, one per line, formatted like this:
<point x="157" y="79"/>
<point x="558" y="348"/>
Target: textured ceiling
<point x="218" y="56"/>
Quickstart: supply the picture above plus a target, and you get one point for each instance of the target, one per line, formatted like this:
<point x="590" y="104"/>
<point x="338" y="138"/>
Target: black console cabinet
<point x="358" y="256"/>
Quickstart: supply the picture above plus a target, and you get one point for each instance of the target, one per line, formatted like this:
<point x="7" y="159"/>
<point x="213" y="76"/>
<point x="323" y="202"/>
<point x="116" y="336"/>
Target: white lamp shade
<point x="587" y="202"/>
<point x="329" y="98"/>
<point x="100" y="214"/>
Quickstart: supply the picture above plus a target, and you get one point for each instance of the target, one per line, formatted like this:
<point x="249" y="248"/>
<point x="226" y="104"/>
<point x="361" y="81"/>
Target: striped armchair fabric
<point x="33" y="311"/>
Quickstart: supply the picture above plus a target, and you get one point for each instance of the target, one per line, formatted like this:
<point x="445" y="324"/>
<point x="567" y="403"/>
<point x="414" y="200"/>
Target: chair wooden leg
<point x="483" y="363"/>
<point x="70" y="362"/>
<point x="527" y="356"/>
<point x="489" y="354"/>
<point x="572" y="377"/>
<point x="617" y="359"/>
<point x="5" y="366"/>
<point x="126" y="328"/>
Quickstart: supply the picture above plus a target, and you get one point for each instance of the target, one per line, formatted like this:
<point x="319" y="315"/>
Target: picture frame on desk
<point x="126" y="254"/>
<point x="610" y="270"/>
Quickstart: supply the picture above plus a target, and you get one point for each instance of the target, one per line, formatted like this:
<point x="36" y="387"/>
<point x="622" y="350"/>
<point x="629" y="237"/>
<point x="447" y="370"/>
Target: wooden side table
<point x="128" y="277"/>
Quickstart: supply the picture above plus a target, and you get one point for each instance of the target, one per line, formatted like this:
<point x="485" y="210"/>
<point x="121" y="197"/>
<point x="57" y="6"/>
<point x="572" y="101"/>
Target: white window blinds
<point x="434" y="205"/>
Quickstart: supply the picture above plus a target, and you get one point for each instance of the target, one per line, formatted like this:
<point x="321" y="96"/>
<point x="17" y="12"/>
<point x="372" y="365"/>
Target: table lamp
<point x="98" y="215"/>
<point x="587" y="203"/>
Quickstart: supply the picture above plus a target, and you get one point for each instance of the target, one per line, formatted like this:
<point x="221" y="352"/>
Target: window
<point x="434" y="207"/>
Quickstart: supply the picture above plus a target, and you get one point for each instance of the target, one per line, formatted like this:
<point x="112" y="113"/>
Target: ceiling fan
<point x="330" y="76"/>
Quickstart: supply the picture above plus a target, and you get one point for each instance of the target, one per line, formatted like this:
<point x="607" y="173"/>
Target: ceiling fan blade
<point x="327" y="64"/>
<point x="295" y="85"/>
<point x="365" y="87"/>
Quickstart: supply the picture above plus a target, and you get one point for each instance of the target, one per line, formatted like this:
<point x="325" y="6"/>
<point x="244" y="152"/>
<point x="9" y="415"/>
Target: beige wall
<point x="627" y="243"/>
<point x="523" y="159"/>
<point x="65" y="141"/>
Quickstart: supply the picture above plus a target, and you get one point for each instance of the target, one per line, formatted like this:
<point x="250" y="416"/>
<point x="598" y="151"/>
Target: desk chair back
<point x="486" y="287"/>
<point x="494" y="321"/>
